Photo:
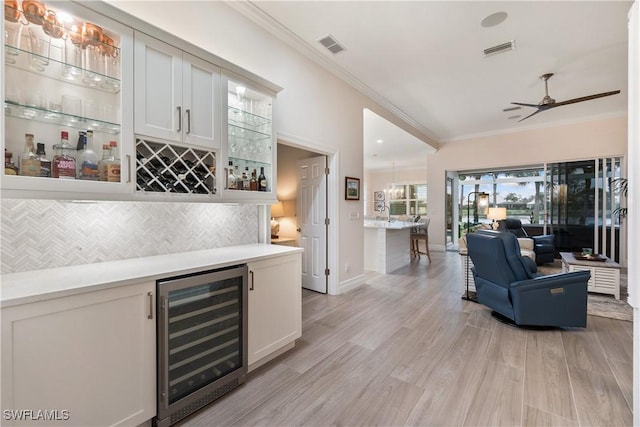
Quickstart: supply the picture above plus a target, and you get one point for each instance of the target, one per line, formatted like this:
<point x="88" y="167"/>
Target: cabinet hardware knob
<point x="251" y="273"/>
<point x="299" y="230"/>
<point x="179" y="119"/>
<point x="188" y="112"/>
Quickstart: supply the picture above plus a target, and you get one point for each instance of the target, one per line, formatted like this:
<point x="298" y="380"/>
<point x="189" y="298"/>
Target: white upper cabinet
<point x="66" y="69"/>
<point x="177" y="96"/>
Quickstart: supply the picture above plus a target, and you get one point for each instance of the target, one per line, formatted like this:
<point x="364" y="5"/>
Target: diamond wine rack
<point x="167" y="168"/>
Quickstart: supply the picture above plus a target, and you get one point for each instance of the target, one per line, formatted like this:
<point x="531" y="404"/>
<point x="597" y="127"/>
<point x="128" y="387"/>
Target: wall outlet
<point x="354" y="215"/>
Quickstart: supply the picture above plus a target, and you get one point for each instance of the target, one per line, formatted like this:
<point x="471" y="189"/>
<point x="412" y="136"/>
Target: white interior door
<point x="312" y="227"/>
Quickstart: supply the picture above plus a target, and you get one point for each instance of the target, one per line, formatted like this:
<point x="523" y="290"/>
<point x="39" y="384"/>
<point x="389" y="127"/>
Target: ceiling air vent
<point x="510" y="45"/>
<point x="332" y="44"/>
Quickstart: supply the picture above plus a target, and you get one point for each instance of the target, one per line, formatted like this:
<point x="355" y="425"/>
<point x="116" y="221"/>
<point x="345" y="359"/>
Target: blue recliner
<point x="508" y="283"/>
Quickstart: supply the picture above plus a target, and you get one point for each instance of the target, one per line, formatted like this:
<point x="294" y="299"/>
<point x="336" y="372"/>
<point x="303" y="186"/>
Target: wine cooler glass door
<point x="202" y="335"/>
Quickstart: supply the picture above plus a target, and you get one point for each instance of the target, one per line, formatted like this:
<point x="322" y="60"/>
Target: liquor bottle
<point x="113" y="166"/>
<point x="9" y="167"/>
<point x="245" y="179"/>
<point x="64" y="161"/>
<point x="253" y="183"/>
<point x="102" y="164"/>
<point x="88" y="161"/>
<point x="82" y="135"/>
<point x="29" y="162"/>
<point x="45" y="164"/>
<point x="262" y="180"/>
<point x="231" y="179"/>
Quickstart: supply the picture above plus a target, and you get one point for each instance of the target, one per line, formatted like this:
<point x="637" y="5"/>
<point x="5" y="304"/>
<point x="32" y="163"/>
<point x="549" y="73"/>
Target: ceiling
<point x="424" y="60"/>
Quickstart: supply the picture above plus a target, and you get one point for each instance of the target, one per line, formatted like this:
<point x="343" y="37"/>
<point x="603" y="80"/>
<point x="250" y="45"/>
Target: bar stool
<point x="418" y="233"/>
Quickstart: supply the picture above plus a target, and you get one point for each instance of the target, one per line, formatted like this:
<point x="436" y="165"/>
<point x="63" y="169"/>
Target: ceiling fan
<point x="548" y="103"/>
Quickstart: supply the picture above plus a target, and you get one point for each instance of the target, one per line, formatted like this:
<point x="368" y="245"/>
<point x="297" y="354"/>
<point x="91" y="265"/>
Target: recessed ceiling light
<point x="517" y="116"/>
<point x="494" y="19"/>
<point x="379" y="141"/>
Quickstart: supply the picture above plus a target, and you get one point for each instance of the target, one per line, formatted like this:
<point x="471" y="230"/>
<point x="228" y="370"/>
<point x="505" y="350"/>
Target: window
<point x="408" y="199"/>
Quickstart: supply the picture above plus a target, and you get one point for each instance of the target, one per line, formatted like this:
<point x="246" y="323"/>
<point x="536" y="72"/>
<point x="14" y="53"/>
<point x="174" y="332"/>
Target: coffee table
<point x="605" y="275"/>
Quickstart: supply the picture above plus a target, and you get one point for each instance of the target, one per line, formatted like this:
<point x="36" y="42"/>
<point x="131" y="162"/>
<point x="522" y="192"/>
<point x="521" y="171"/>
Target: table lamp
<point x="496" y="214"/>
<point x="277" y="211"/>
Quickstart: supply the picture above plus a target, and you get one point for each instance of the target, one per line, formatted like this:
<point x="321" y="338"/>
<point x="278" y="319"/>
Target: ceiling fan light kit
<point x="548" y="103"/>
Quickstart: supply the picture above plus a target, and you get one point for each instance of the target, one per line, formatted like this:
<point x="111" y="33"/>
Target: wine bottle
<point x="262" y="180"/>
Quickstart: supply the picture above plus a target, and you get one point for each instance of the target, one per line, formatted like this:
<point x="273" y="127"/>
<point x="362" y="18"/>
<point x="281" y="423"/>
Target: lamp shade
<point x="497" y="213"/>
<point x="277" y="210"/>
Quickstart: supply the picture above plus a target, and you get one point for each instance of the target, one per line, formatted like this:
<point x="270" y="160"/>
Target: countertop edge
<point x="40" y="285"/>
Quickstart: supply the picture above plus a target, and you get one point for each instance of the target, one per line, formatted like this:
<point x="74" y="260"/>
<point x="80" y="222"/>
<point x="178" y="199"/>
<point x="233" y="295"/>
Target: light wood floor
<point x="406" y="350"/>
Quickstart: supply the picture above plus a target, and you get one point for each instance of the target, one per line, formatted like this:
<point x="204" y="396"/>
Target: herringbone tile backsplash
<point x="39" y="234"/>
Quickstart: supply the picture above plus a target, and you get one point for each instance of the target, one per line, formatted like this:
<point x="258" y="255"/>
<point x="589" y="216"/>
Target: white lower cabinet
<point x="275" y="307"/>
<point x="83" y="360"/>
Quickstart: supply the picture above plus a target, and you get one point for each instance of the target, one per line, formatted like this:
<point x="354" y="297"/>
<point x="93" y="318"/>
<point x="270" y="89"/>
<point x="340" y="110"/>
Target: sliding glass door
<point x="575" y="201"/>
<point x="581" y="205"/>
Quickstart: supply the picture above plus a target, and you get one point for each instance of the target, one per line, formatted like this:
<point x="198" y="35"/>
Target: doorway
<point x="316" y="262"/>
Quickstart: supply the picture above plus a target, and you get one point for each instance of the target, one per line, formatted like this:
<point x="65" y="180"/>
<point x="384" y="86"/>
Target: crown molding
<point x="253" y="12"/>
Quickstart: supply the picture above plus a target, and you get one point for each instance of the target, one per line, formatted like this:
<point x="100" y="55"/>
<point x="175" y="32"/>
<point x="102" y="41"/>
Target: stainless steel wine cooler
<point x="202" y="340"/>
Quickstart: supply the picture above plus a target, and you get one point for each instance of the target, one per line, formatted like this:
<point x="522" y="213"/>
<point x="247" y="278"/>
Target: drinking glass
<point x="72" y="57"/>
<point x="12" y="34"/>
<point x="40" y="43"/>
<point x="93" y="65"/>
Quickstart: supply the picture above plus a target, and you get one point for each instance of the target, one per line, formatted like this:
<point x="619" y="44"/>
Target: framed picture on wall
<point x="378" y="196"/>
<point x="351" y="188"/>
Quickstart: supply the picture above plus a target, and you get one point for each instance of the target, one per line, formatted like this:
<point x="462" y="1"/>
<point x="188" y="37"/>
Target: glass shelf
<point x="244" y="118"/>
<point x="54" y="70"/>
<point x="248" y="133"/>
<point x="43" y="115"/>
<point x="249" y="163"/>
<point x="167" y="168"/>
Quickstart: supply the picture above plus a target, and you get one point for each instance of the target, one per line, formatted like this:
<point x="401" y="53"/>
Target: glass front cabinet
<point x="249" y="169"/>
<point x="68" y="99"/>
<point x="94" y="108"/>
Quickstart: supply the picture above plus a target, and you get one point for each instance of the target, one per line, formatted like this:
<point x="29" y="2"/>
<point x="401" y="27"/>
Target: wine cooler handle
<point x="188" y="113"/>
<point x="179" y="118"/>
<point x="150" y="295"/>
<point x="251" y="286"/>
<point x="162" y="379"/>
<point x="226" y="178"/>
<point x="128" y="168"/>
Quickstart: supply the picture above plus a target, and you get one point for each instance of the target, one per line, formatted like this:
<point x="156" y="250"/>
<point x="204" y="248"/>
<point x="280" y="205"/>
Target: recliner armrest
<point x="554" y="280"/>
<point x="547" y="239"/>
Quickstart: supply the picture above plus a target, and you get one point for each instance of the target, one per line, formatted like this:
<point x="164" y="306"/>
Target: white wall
<point x="598" y="138"/>
<point x="314" y="105"/>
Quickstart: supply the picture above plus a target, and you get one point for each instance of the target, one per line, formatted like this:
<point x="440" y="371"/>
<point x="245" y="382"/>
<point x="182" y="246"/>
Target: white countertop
<point x="38" y="285"/>
<point x="393" y="225"/>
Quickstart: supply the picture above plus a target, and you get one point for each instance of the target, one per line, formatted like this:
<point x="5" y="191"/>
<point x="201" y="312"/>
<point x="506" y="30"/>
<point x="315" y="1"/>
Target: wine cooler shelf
<point x="166" y="168"/>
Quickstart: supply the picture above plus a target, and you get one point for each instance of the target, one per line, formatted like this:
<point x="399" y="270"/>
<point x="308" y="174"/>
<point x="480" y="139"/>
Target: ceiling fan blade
<point x="525" y="105"/>
<point x="584" y="98"/>
<point x="532" y="114"/>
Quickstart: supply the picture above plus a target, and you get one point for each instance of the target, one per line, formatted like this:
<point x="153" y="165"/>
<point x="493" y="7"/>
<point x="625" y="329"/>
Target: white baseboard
<point x="350" y="284"/>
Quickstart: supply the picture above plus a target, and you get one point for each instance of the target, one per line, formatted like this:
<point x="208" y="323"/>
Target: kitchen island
<point x="386" y="245"/>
